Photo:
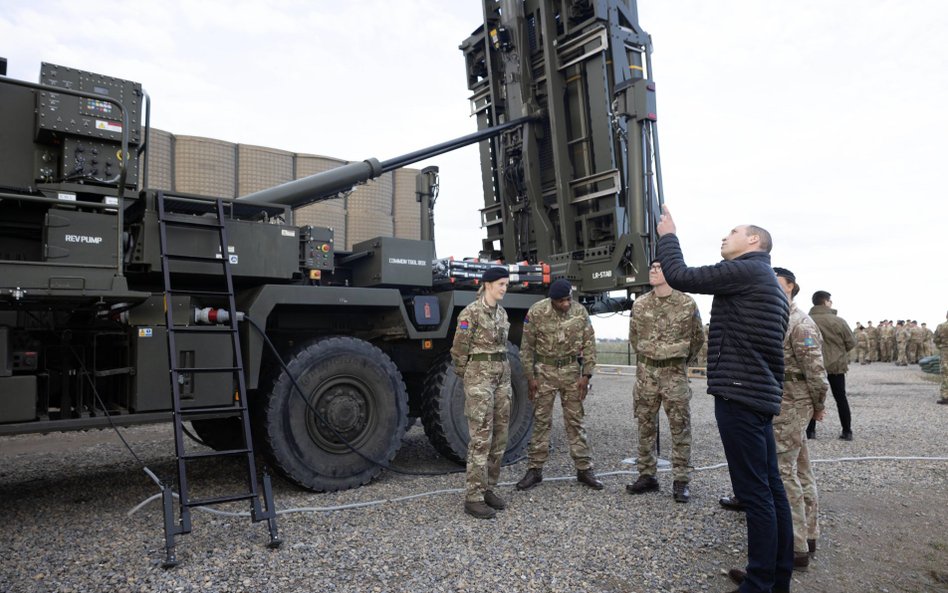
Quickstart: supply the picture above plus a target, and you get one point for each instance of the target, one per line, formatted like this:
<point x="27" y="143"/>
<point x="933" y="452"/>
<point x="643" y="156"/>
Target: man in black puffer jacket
<point x="749" y="316"/>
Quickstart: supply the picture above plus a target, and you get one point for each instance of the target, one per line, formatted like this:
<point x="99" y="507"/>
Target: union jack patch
<point x="526" y="319"/>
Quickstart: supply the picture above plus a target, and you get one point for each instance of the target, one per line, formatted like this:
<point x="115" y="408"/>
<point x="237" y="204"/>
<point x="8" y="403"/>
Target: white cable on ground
<point x="358" y="505"/>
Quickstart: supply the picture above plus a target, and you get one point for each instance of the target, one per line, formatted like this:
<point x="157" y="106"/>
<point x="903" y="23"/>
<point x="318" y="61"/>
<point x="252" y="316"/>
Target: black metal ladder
<point x="180" y="372"/>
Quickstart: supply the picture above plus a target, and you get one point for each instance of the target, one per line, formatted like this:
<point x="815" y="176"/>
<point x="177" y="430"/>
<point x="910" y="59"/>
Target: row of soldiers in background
<point x="903" y="343"/>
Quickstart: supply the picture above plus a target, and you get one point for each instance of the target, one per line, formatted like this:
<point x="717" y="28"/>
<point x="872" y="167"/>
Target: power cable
<point x="378" y="502"/>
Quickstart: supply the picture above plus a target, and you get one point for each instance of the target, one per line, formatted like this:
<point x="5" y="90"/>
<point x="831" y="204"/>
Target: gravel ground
<point x="65" y="500"/>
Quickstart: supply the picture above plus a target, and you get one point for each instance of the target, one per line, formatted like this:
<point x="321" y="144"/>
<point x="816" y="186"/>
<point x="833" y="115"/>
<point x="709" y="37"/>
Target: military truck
<point x="121" y="304"/>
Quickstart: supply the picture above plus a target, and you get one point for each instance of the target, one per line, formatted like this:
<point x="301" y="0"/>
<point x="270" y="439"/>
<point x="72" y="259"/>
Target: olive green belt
<point x="556" y="362"/>
<point x="794" y="377"/>
<point x="668" y="362"/>
<point x="488" y="356"/>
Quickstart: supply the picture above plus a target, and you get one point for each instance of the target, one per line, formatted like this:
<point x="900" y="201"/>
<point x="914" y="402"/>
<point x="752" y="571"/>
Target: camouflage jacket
<point x="803" y="355"/>
<point x="666" y="327"/>
<point x="941" y="336"/>
<point x="552" y="334"/>
<point x="480" y="329"/>
<point x="916" y="335"/>
<point x="902" y="335"/>
<point x="862" y="336"/>
<point x="838" y="339"/>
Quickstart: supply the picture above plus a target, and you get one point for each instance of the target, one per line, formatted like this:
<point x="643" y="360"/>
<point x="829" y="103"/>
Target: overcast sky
<point x="825" y="122"/>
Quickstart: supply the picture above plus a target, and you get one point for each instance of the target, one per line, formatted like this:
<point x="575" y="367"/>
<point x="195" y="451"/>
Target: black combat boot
<point x="588" y="477"/>
<point x="642" y="485"/>
<point x="533" y="477"/>
<point x="479" y="509"/>
<point x="494" y="501"/>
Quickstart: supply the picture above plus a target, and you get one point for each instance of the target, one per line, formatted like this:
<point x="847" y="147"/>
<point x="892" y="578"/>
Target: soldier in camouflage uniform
<point x="804" y="393"/>
<point x="886" y="341"/>
<point x="558" y="351"/>
<point x="928" y="345"/>
<point x="915" y="339"/>
<point x="873" y="342"/>
<point x="665" y="332"/>
<point x="862" y="344"/>
<point x="901" y="342"/>
<point x="941" y="341"/>
<point x="479" y="354"/>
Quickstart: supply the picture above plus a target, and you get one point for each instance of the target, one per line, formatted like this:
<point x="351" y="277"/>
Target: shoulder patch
<point x="527" y="318"/>
<point x="463" y="325"/>
<point x="809" y="342"/>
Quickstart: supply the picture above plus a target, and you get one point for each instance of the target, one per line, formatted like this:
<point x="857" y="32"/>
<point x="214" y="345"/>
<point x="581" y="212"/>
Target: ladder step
<point x="216" y="410"/>
<point x="193" y="258"/>
<point x="218" y="293"/>
<point x="211" y="223"/>
<point x="207" y="369"/>
<point x="227" y="453"/>
<point x="200" y="502"/>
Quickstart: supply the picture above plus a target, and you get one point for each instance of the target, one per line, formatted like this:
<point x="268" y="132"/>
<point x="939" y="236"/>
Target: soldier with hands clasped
<point x="665" y="333"/>
<point x="479" y="354"/>
<point x="558" y="351"/>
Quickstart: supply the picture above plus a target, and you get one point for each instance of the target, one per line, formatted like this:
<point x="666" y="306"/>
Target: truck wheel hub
<point x="342" y="414"/>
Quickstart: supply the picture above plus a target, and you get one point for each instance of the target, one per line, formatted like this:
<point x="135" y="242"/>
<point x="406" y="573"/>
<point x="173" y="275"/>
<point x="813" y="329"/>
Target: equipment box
<point x="393" y="262"/>
<point x="151" y="389"/>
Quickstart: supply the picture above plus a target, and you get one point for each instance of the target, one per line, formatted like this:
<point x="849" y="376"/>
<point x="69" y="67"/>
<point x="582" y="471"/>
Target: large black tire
<point x="355" y="388"/>
<point x="443" y="413"/>
<point x="220" y="434"/>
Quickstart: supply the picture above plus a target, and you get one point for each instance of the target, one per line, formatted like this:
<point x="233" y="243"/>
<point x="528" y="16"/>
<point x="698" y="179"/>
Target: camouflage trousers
<point x="874" y="350"/>
<point x="944" y="374"/>
<point x="793" y="461"/>
<point x="911" y="352"/>
<point x="656" y="387"/>
<point x="563" y="380"/>
<point x="885" y="351"/>
<point x="903" y="354"/>
<point x="862" y="353"/>
<point x="487" y="408"/>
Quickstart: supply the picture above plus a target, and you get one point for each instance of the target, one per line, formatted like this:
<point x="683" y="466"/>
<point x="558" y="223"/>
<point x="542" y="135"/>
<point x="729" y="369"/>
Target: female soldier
<point x="480" y="360"/>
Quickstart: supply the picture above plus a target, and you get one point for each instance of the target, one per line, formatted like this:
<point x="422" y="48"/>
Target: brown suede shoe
<point x="494" y="501"/>
<point x="737" y="575"/>
<point x="680" y="491"/>
<point x="588" y="477"/>
<point x="479" y="509"/>
<point x="801" y="561"/>
<point x="533" y="477"/>
<point x="642" y="485"/>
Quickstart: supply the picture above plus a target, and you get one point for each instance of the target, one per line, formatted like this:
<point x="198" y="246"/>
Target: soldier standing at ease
<point x="665" y="332"/>
<point x="804" y="391"/>
<point x="873" y="333"/>
<point x="941" y="341"/>
<point x="916" y="336"/>
<point x="928" y="345"/>
<point x="558" y="351"/>
<point x="479" y="354"/>
<point x="901" y="340"/>
<point x="862" y="344"/>
<point x="886" y="341"/>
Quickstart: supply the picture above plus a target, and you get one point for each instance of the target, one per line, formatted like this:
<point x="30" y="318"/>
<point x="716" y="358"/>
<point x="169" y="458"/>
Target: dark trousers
<point x="838" y="388"/>
<point x="748" y="439"/>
